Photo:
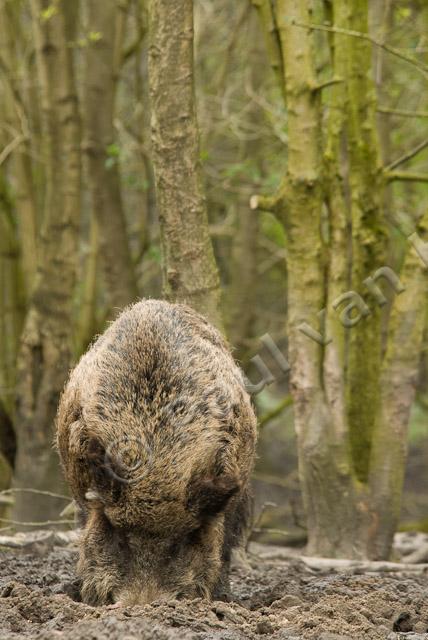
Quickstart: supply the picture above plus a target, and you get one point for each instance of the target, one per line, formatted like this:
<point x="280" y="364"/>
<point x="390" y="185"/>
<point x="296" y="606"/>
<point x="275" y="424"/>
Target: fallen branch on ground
<point x="266" y="552"/>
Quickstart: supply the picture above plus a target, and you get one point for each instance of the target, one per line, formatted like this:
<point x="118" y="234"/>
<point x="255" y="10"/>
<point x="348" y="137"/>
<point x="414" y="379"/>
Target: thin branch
<point x="407" y="156"/>
<point x="38" y="491"/>
<point x="37" y="524"/>
<point x="270" y="203"/>
<point x="328" y="83"/>
<point x="276" y="411"/>
<point x="274" y="532"/>
<point x="365" y="36"/>
<point x="9" y="148"/>
<point x="406" y="176"/>
<point x="227" y="52"/>
<point x="134" y="46"/>
<point x="289" y="482"/>
<point x="403" y="112"/>
<point x="17" y="98"/>
<point x="272" y="38"/>
<point x="279" y="256"/>
<point x="265" y="203"/>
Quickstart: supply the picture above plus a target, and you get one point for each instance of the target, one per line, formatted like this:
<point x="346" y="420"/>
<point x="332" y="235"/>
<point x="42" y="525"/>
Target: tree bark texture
<point x="102" y="64"/>
<point x="45" y="351"/>
<point x="190" y="270"/>
<point x="351" y="403"/>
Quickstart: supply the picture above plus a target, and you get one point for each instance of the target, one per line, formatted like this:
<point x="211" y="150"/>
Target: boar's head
<point x="156" y="530"/>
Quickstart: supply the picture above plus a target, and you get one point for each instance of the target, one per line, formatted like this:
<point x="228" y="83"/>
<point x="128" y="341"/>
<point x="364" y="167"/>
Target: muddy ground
<point x="272" y="598"/>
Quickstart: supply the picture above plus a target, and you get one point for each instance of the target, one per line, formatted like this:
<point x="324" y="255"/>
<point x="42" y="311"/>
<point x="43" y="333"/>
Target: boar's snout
<point x="143" y="594"/>
<point x="168" y="569"/>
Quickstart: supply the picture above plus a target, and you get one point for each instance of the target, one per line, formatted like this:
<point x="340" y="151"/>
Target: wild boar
<point x="156" y="436"/>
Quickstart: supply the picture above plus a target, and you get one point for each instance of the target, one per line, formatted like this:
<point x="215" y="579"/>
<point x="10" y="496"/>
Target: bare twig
<point x="289" y="482"/>
<point x="257" y="521"/>
<point x="133" y="47"/>
<point x="37" y="491"/>
<point x="232" y="41"/>
<point x="365" y="36"/>
<point x="17" y="99"/>
<point x="276" y="411"/>
<point x="407" y="176"/>
<point x="328" y="83"/>
<point x="265" y="203"/>
<point x="279" y="256"/>
<point x="13" y="144"/>
<point x="46" y="523"/>
<point x="265" y="505"/>
<point x="407" y="156"/>
<point x="403" y="112"/>
<point x="276" y="532"/>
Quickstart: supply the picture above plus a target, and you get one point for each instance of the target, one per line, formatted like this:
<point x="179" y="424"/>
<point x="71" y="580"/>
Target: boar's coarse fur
<point x="156" y="436"/>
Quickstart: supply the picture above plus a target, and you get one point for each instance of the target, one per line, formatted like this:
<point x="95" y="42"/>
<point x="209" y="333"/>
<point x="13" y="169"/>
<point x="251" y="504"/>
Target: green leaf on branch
<point x="113" y="153"/>
<point x="154" y="253"/>
<point x="113" y="150"/>
<point x="49" y="12"/>
<point x="95" y="36"/>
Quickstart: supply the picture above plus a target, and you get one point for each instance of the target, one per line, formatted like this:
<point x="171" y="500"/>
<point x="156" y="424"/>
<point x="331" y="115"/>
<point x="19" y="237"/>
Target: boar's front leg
<point x="99" y="566"/>
<point x="237" y="529"/>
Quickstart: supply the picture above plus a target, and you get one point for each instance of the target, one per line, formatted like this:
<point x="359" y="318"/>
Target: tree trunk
<point x="368" y="241"/>
<point x="190" y="271"/>
<point x="102" y="62"/>
<point x="12" y="296"/>
<point x="323" y="463"/>
<point x="242" y="291"/>
<point x="351" y="409"/>
<point x="11" y="318"/>
<point x="44" y="358"/>
<point x="7" y="453"/>
<point x="87" y="319"/>
<point x="398" y="385"/>
<point x="23" y="186"/>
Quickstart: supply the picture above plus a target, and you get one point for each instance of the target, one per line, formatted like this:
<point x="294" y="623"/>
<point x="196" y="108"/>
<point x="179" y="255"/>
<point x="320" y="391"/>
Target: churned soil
<point x="272" y="598"/>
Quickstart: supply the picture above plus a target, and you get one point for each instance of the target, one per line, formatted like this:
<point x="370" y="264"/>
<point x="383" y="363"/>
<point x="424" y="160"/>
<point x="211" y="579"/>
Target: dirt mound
<point x="285" y="600"/>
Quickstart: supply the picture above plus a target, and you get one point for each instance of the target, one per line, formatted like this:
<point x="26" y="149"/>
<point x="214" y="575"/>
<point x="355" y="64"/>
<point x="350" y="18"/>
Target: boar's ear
<point x="208" y="496"/>
<point x="103" y="472"/>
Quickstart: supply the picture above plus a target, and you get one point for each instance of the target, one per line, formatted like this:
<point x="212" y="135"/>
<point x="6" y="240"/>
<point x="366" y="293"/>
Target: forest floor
<point x="276" y="596"/>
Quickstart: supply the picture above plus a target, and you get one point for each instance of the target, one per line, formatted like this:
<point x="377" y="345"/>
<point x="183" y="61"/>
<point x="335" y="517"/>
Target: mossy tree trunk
<point x="320" y="420"/>
<point x="190" y="270"/>
<point x="11" y="319"/>
<point x="397" y="390"/>
<point x="45" y="351"/>
<point x="24" y="190"/>
<point x="351" y="403"/>
<point x="368" y="240"/>
<point x="102" y="64"/>
<point x="87" y="321"/>
<point x="243" y="291"/>
<point x="12" y="294"/>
